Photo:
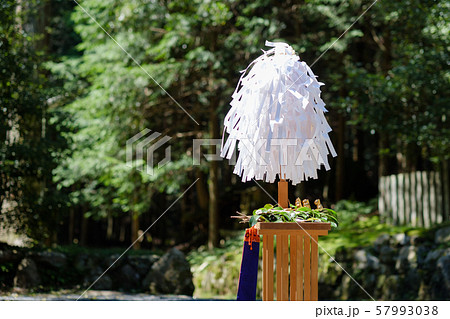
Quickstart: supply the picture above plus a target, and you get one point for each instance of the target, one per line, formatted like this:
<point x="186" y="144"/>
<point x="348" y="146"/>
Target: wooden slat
<point x="432" y="194"/>
<point x="314" y="268"/>
<point x="279" y="263"/>
<point x="426" y="200"/>
<point x="420" y="220"/>
<point x="381" y="196"/>
<point x="390" y="204"/>
<point x="394" y="199"/>
<point x="401" y="199"/>
<point x="293" y="270"/>
<point x="387" y="200"/>
<point x="417" y="199"/>
<point x="284" y="268"/>
<point x="407" y="195"/>
<point x="269" y="294"/>
<point x="265" y="266"/>
<point x="307" y="268"/>
<point x="299" y="282"/>
<point x="264" y="260"/>
<point x="413" y="190"/>
<point x="445" y="189"/>
<point x="439" y="213"/>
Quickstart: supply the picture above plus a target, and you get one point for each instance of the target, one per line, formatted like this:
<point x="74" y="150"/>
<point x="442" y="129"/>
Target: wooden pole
<point x="283" y="200"/>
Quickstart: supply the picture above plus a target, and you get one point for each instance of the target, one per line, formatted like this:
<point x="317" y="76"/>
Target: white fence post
<point x="418" y="199"/>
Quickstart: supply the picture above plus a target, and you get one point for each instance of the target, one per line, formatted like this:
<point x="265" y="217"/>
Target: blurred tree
<point x="405" y="90"/>
<point x="29" y="130"/>
<point x="386" y="89"/>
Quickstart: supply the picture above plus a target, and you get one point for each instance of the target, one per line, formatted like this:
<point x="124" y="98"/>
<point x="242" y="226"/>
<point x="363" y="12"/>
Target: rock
<point x="407" y="258"/>
<point x="381" y="280"/>
<point x="344" y="289"/>
<point x="114" y="261"/>
<point x="332" y="273"/>
<point x="382" y="240"/>
<point x="171" y="274"/>
<point x="101" y="282"/>
<point x="27" y="275"/>
<point x="442" y="236"/>
<point x="389" y="286"/>
<point x="399" y="267"/>
<point x="416" y="240"/>
<point x="433" y="255"/>
<point x="409" y="286"/>
<point x="387" y="254"/>
<point x="443" y="266"/>
<point x="440" y="288"/>
<point x="400" y="239"/>
<point x="104" y="283"/>
<point x="127" y="278"/>
<point x="364" y="260"/>
<point x="142" y="264"/>
<point x="50" y="258"/>
<point x="10" y="256"/>
<point x="83" y="263"/>
<point x="343" y="254"/>
<point x="422" y="252"/>
<point x="385" y="270"/>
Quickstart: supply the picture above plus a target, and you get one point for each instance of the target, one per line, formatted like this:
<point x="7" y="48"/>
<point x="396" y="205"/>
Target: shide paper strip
<point x="277" y="119"/>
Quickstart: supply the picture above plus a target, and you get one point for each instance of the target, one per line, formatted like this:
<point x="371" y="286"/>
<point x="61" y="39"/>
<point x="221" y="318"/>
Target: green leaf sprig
<point x="277" y="214"/>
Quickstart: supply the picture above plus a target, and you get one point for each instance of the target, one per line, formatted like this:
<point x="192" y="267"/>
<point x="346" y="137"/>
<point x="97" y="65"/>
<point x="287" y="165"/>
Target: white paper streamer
<point x="277" y="120"/>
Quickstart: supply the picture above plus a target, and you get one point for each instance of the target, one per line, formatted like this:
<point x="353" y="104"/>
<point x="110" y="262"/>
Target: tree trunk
<point x="202" y="192"/>
<point x="412" y="155"/>
<point x="122" y="231"/>
<point x="214" y="133"/>
<point x="84" y="230"/>
<point x="213" y="185"/>
<point x="71" y="225"/>
<point x="383" y="157"/>
<point x="383" y="143"/>
<point x="340" y="160"/>
<point x="135" y="230"/>
<point x="109" y="226"/>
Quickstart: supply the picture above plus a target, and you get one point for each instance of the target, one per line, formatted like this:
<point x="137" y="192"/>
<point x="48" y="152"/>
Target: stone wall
<point x="398" y="267"/>
<point x="45" y="270"/>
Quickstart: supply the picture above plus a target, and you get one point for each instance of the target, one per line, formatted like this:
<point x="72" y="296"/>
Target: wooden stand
<point x="283" y="200"/>
<point x="303" y="281"/>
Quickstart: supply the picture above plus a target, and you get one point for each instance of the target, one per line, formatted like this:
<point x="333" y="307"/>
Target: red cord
<point x="251" y="235"/>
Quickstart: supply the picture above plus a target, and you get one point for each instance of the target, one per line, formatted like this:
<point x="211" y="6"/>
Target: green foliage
<point x="359" y="226"/>
<point x="276" y="214"/>
<point x="351" y="211"/>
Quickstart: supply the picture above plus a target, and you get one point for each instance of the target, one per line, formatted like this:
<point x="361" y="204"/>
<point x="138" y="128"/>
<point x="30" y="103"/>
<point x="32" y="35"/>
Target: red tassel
<point x="251" y="235"/>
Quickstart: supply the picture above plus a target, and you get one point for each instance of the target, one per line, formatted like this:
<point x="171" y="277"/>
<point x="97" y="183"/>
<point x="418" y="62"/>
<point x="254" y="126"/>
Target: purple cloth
<point x="249" y="272"/>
